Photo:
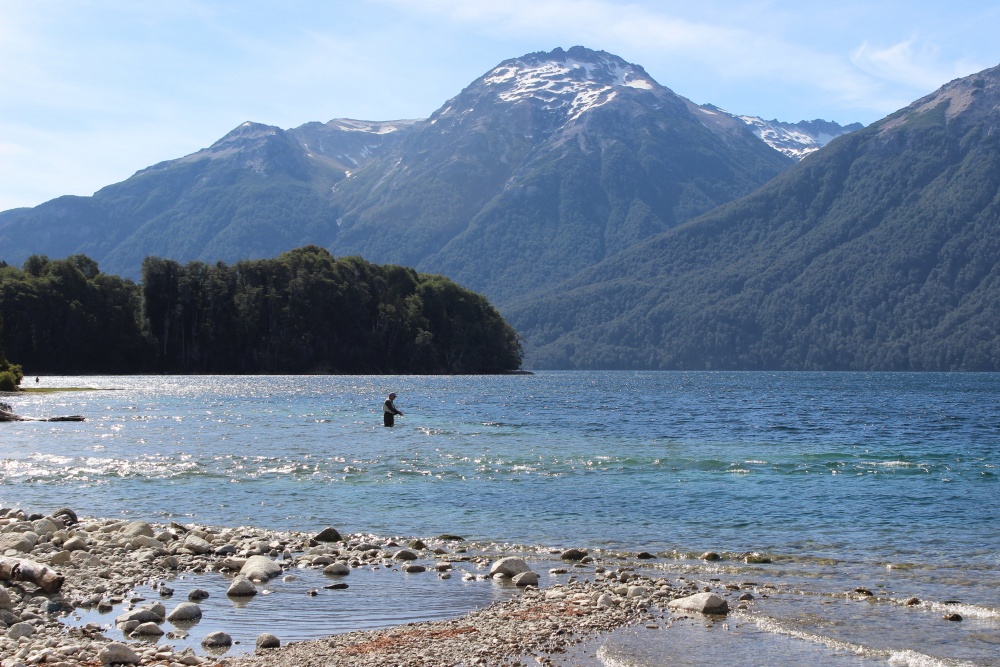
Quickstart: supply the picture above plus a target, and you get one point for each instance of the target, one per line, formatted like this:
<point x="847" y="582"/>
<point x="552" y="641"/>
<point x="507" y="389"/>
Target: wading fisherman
<point x="389" y="410"/>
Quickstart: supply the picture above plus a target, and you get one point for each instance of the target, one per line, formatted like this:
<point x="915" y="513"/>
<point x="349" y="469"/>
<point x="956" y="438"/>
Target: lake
<point x="887" y="481"/>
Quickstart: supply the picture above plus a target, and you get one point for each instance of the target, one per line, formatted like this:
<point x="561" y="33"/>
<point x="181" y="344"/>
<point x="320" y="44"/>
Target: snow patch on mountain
<point x="571" y="84"/>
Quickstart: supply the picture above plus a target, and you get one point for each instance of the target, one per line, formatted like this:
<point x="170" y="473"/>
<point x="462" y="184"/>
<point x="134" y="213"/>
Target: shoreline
<point x="105" y="562"/>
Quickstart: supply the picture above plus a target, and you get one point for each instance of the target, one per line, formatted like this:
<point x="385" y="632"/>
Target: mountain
<point x="882" y="251"/>
<point x="540" y="168"/>
<point x="797" y="140"/>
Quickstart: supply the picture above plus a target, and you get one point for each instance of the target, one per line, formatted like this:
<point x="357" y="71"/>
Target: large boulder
<point x="241" y="588"/>
<point x="117" y="653"/>
<point x="217" y="640"/>
<point x="154" y="613"/>
<point x="260" y="568"/>
<point x="23" y="542"/>
<point x="328" y="534"/>
<point x="705" y="603"/>
<point x="509" y="567"/>
<point x="197" y="545"/>
<point x="137" y="528"/>
<point x="185" y="612"/>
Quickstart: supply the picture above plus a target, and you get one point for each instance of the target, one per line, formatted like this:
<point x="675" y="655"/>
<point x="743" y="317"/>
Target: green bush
<point x="10" y="379"/>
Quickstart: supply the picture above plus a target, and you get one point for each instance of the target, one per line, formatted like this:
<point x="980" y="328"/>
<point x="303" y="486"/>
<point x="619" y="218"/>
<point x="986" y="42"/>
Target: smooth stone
<point x="154" y="612"/>
<point x="45" y="527"/>
<point x="217" y="640"/>
<point x="510" y="566"/>
<point x="19" y="630"/>
<point x="260" y="568"/>
<point x="328" y="534"/>
<point x="147" y="542"/>
<point x="526" y="579"/>
<point x="137" y="528"/>
<point x="185" y="611"/>
<point x="267" y="640"/>
<point x="705" y="603"/>
<point x="197" y="545"/>
<point x="241" y="587"/>
<point x="198" y="594"/>
<point x="405" y="554"/>
<point x="711" y="556"/>
<point x="117" y="653"/>
<point x="16" y="542"/>
<point x="636" y="592"/>
<point x="573" y="554"/>
<point x="337" y="569"/>
<point x="413" y="568"/>
<point x="5" y="601"/>
<point x="148" y="630"/>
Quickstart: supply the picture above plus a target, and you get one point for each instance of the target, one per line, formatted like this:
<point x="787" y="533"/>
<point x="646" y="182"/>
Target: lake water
<point x="885" y="481"/>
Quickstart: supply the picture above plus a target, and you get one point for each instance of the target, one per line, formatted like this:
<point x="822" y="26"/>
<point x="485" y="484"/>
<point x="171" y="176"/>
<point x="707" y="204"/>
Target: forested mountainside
<point x="881" y="251"/>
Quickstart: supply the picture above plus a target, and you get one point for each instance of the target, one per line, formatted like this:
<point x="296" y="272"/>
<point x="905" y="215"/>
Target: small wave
<point x="910" y="658"/>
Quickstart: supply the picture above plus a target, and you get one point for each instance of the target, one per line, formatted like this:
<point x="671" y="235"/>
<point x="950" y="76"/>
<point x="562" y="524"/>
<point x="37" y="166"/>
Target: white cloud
<point x="911" y="63"/>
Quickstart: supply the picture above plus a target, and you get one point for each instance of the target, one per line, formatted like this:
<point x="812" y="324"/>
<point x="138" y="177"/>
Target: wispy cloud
<point x="913" y="63"/>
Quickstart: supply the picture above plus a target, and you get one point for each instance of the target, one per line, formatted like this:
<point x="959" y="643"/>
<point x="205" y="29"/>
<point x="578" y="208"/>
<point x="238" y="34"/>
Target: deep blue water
<point x="844" y="479"/>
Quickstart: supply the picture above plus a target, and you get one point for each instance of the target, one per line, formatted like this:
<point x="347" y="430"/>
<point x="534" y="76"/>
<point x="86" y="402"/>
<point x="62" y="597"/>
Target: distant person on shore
<point x="389" y="410"/>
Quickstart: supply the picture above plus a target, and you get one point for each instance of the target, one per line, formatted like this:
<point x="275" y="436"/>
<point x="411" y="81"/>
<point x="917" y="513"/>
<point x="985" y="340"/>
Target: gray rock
<point x="144" y="541"/>
<point x="19" y="630"/>
<point x="217" y="640"/>
<point x="18" y="542"/>
<point x="45" y="527"/>
<point x="526" y="579"/>
<point x="66" y="515"/>
<point x="267" y="640"/>
<point x="137" y="528"/>
<point x="509" y="567"/>
<point x="5" y="601"/>
<point x="117" y="653"/>
<point x="337" y="569"/>
<point x="185" y="611"/>
<point x="241" y="587"/>
<point x="328" y="534"/>
<point x="197" y="545"/>
<point x="711" y="556"/>
<point x="198" y="594"/>
<point x="147" y="613"/>
<point x="260" y="568"/>
<point x="405" y="554"/>
<point x="413" y="568"/>
<point x="148" y="630"/>
<point x="636" y="592"/>
<point x="76" y="543"/>
<point x="705" y="603"/>
<point x="573" y="554"/>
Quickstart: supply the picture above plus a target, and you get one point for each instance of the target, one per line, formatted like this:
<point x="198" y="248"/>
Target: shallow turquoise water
<point x="844" y="479"/>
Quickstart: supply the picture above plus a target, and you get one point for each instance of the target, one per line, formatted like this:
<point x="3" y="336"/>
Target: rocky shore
<point x="56" y="565"/>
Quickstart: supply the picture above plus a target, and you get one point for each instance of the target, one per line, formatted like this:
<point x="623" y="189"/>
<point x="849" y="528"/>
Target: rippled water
<point x="843" y="479"/>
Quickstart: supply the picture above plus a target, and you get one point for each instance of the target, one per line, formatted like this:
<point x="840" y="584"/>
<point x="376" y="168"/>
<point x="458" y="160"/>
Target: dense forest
<point x="302" y="312"/>
<point x="10" y="374"/>
<point x="880" y="252"/>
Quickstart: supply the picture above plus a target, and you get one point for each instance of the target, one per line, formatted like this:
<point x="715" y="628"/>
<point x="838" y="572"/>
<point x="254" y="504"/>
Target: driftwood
<point x="6" y="416"/>
<point x="19" y="569"/>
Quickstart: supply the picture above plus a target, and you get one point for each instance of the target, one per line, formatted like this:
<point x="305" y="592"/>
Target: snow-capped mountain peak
<point x="574" y="81"/>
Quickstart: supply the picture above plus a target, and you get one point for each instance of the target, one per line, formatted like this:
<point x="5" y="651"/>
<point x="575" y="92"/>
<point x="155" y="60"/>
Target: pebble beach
<point x="103" y="564"/>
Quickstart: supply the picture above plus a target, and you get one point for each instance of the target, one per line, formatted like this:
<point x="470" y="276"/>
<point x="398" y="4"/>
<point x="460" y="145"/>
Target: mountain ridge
<point x="879" y="252"/>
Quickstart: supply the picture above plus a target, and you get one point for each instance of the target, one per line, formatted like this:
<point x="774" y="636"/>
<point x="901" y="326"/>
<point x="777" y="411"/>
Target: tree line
<point x="302" y="312"/>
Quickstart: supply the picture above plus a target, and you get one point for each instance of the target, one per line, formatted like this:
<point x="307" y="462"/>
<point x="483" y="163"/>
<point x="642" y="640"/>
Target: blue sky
<point x="93" y="90"/>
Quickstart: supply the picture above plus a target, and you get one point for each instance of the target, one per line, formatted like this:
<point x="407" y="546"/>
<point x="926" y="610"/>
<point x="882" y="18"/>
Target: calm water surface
<point x="888" y="481"/>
